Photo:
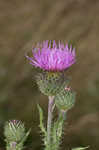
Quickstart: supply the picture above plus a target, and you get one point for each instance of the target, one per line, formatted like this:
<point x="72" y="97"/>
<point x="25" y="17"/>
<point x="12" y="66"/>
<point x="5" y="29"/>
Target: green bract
<point x="14" y="131"/>
<point x="65" y="99"/>
<point x="49" y="83"/>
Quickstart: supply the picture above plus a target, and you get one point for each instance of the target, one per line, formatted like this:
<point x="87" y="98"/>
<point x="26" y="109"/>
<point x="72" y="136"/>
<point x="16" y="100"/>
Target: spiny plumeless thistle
<point x="53" y="59"/>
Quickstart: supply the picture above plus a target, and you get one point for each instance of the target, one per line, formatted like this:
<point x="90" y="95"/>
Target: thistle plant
<point x="54" y="59"/>
<point x="15" y="135"/>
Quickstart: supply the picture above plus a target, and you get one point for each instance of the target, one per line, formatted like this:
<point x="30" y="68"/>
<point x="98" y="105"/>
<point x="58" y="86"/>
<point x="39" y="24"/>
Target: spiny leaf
<point x="26" y="136"/>
<point x="41" y="120"/>
<point x="57" y="132"/>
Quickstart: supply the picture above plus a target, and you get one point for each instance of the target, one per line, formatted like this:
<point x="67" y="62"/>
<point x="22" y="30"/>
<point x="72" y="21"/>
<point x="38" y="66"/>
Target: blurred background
<point x="21" y="24"/>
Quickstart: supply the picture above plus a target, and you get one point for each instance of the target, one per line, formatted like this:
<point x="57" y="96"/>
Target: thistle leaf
<point x="41" y="120"/>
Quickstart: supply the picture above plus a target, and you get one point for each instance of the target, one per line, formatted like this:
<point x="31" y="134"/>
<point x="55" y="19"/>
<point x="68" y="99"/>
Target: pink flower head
<point x="52" y="57"/>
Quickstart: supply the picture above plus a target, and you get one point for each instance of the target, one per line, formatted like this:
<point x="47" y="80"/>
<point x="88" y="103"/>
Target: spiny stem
<point x="49" y="122"/>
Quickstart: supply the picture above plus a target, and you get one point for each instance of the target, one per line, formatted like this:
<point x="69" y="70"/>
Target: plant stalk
<point x="49" y="121"/>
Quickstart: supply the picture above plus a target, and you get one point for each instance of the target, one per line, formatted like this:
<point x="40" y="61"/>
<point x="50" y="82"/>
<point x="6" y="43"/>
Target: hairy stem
<point x="49" y="122"/>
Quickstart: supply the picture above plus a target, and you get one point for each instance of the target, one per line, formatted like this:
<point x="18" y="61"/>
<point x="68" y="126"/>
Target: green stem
<point x="49" y="122"/>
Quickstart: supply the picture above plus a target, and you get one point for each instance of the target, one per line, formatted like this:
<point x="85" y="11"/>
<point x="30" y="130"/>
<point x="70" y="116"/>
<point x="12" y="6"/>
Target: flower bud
<point x="65" y="99"/>
<point x="14" y="131"/>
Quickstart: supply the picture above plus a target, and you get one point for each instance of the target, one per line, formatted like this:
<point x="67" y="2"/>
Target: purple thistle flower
<point x="52" y="57"/>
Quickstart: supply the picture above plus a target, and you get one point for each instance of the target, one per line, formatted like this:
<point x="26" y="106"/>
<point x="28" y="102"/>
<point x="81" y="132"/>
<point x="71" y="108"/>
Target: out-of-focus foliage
<point x="80" y="148"/>
<point x="21" y="24"/>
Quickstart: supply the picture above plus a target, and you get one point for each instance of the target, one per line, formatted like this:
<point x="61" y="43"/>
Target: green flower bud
<point x="65" y="99"/>
<point x="14" y="131"/>
<point x="49" y="82"/>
